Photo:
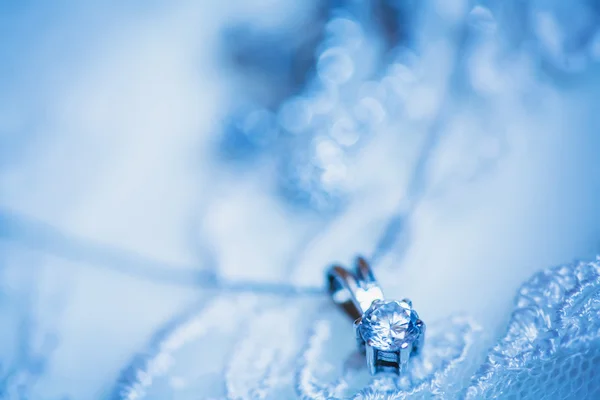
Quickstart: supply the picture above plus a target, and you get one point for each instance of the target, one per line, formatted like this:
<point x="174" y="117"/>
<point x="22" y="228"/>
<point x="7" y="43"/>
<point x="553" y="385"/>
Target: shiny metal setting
<point x="355" y="292"/>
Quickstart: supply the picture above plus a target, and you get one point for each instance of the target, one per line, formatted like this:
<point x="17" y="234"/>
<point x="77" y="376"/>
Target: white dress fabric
<point x="175" y="178"/>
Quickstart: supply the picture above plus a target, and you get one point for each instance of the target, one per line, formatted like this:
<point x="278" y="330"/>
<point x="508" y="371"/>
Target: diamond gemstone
<point x="389" y="325"/>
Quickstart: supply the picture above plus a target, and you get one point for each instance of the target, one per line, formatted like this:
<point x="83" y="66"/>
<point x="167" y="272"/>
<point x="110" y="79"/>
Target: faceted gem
<point x="389" y="325"/>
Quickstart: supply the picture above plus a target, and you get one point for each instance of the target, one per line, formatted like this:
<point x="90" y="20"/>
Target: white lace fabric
<point x="305" y="349"/>
<point x="175" y="178"/>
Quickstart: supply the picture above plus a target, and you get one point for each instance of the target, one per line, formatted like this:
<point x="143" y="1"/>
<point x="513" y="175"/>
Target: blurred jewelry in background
<point x="388" y="332"/>
<point x="315" y="130"/>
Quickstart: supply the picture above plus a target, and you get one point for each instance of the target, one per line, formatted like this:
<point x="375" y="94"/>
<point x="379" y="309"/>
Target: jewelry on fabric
<point x="389" y="332"/>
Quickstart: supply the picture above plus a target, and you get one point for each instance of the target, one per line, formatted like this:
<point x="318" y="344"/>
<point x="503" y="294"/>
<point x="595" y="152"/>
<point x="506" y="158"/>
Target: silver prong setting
<point x="395" y="362"/>
<point x="360" y="342"/>
<point x="388" y="332"/>
<point x="407" y="301"/>
<point x="420" y="342"/>
<point x="370" y="353"/>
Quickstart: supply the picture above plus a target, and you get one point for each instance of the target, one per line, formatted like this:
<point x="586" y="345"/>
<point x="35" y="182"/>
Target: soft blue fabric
<point x="550" y="350"/>
<point x="176" y="176"/>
